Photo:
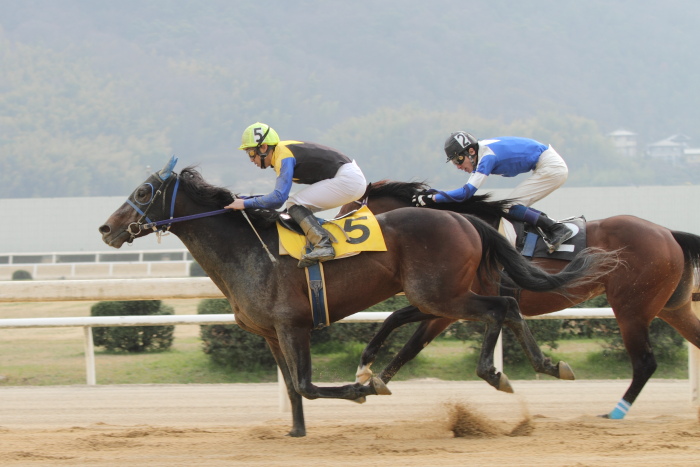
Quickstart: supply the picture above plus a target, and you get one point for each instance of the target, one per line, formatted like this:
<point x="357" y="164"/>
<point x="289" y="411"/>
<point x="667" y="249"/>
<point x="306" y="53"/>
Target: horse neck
<point x="224" y="244"/>
<point x="382" y="204"/>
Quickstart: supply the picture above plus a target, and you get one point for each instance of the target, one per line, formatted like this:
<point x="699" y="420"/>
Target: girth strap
<point x="317" y="295"/>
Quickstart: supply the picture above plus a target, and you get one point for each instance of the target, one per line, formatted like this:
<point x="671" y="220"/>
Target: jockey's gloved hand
<point x="423" y="200"/>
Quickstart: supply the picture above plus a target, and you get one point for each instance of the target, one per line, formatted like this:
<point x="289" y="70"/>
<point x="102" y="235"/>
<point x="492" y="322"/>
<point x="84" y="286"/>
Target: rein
<point x="163" y="227"/>
<point x="172" y="220"/>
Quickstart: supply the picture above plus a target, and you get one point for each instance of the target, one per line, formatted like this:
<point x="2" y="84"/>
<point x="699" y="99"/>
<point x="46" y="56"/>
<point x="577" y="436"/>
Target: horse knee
<point x="307" y="390"/>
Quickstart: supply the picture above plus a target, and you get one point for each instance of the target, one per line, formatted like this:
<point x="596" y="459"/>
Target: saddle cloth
<point x="354" y="233"/>
<point x="529" y="242"/>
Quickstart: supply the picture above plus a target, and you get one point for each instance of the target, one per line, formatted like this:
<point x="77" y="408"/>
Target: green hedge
<point x="230" y="346"/>
<point x="132" y="338"/>
<point x="668" y="345"/>
<point x="21" y="275"/>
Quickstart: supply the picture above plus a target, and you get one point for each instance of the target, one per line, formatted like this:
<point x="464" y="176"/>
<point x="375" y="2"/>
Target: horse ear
<point x="168" y="168"/>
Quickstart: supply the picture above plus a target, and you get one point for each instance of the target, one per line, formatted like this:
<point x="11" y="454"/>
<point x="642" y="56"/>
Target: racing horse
<point x="657" y="280"/>
<point x="434" y="257"/>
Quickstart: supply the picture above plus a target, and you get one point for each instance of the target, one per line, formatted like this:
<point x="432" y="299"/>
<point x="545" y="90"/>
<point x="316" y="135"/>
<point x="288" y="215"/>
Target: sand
<point x="546" y="423"/>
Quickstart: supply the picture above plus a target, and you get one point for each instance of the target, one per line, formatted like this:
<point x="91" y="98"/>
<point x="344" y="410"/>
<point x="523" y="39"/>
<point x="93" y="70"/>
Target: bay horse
<point x="657" y="280"/>
<point x="434" y="257"/>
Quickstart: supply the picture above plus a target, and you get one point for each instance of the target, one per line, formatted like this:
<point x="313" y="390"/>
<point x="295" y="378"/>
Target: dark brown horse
<point x="656" y="281"/>
<point x="434" y="257"/>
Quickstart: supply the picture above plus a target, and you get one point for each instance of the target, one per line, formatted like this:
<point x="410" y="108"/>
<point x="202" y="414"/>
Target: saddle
<point x="528" y="240"/>
<point x="352" y="234"/>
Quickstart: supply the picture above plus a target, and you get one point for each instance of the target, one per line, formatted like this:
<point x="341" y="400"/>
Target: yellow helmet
<point x="257" y="134"/>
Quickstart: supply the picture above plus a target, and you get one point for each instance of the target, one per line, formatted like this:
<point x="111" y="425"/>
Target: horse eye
<point x="142" y="193"/>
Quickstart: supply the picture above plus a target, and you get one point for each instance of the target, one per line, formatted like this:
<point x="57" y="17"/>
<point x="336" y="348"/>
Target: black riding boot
<point x="317" y="236"/>
<point x="554" y="233"/>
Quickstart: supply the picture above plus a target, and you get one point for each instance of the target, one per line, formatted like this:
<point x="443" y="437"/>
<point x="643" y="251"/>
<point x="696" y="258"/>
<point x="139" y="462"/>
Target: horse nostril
<point x="105" y="229"/>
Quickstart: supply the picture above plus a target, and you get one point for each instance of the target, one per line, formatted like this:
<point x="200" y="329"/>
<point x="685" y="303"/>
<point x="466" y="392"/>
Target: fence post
<point x="89" y="357"/>
<point x="285" y="403"/>
<point x="694" y="359"/>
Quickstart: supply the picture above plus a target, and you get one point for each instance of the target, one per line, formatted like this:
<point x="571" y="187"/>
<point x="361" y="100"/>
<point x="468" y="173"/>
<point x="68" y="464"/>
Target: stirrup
<point x="309" y="259"/>
<point x="552" y="246"/>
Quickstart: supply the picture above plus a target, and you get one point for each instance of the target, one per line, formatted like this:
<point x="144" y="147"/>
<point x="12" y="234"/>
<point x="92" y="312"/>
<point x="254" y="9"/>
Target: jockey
<point x="508" y="156"/>
<point x="333" y="178"/>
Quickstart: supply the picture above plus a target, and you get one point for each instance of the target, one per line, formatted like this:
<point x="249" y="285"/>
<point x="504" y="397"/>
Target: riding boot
<point x="554" y="233"/>
<point x="315" y="234"/>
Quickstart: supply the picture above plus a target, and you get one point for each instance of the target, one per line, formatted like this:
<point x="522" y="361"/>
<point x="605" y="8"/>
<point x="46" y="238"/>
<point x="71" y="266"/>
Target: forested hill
<point x="93" y="92"/>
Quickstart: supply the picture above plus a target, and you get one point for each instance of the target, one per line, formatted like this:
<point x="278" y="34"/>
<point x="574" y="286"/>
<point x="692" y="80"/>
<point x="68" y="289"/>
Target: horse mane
<point x="201" y="191"/>
<point x="403" y="191"/>
<point x="478" y="205"/>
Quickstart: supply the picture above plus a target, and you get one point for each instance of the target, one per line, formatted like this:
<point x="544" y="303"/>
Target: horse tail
<point x="690" y="244"/>
<point x="586" y="268"/>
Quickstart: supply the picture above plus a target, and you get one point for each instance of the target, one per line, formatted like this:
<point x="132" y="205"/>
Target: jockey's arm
<point x="464" y="193"/>
<point x="279" y="195"/>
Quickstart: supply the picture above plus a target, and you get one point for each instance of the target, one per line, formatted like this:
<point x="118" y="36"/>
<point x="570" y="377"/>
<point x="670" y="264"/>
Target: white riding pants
<point x="550" y="173"/>
<point x="348" y="185"/>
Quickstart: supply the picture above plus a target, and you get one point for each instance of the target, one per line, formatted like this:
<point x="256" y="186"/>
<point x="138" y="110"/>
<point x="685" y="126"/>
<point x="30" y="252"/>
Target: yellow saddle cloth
<point x="354" y="233"/>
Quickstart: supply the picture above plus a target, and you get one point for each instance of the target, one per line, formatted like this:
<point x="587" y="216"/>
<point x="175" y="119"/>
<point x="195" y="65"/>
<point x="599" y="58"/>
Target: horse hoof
<point x="379" y="387"/>
<point x="363" y="374"/>
<point x="504" y="384"/>
<point x="359" y="400"/>
<point x="565" y="372"/>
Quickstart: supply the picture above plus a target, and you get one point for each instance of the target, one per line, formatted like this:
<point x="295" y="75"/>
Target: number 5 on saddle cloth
<point x="352" y="234"/>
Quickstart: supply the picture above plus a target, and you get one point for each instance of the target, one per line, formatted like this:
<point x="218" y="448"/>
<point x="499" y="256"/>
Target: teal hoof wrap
<point x="620" y="410"/>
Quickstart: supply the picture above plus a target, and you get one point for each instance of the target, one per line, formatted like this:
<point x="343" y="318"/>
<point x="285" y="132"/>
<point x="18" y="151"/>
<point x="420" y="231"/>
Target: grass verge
<point x="55" y="356"/>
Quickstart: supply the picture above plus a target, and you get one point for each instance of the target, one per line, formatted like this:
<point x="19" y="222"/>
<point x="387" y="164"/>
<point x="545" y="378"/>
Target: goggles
<point x="252" y="152"/>
<point x="458" y="159"/>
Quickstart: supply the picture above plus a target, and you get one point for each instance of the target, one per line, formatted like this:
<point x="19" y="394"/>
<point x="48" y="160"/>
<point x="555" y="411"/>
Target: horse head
<point x="146" y="204"/>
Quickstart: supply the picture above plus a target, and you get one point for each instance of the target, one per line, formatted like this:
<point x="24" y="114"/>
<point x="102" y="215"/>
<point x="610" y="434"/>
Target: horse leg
<point x="298" y="424"/>
<point x="424" y="335"/>
<point x="409" y="314"/>
<point x="492" y="312"/>
<point x="685" y="322"/>
<point x="295" y="346"/>
<point x="485" y="368"/>
<point x="516" y="323"/>
<point x="635" y="335"/>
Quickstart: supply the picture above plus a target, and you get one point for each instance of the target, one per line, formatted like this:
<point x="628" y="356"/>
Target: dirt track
<point x="546" y="423"/>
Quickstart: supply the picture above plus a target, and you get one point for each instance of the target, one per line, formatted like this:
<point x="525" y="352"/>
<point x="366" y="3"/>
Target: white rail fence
<point x="199" y="288"/>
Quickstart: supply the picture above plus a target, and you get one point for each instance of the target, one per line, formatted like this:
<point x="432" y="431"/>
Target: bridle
<point x="163" y="227"/>
<point x="160" y="227"/>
